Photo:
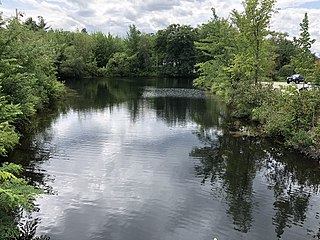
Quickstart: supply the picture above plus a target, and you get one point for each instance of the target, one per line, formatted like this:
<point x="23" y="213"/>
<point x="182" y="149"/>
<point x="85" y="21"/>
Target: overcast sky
<point x="115" y="16"/>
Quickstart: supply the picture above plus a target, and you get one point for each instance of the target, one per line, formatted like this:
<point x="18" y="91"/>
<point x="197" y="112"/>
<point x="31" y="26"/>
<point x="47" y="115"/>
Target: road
<point x="299" y="86"/>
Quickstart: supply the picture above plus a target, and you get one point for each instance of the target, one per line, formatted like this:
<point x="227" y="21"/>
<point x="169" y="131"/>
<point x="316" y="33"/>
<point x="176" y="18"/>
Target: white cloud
<point x="151" y="15"/>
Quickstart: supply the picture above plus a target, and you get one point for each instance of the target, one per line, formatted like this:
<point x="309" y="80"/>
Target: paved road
<point x="300" y="85"/>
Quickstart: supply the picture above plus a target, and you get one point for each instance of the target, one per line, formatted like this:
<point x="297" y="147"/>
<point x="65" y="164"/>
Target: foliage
<point x="8" y="136"/>
<point x="36" y="26"/>
<point x="118" y="64"/>
<point x="246" y="98"/>
<point x="213" y="77"/>
<point x="28" y="69"/>
<point x="252" y="61"/>
<point x="252" y="54"/>
<point x="217" y="46"/>
<point x="77" y="56"/>
<point x="28" y="83"/>
<point x="105" y="47"/>
<point x="284" y="50"/>
<point x="138" y="50"/>
<point x="304" y="59"/>
<point x="15" y="195"/>
<point x="175" y="49"/>
<point x="290" y="114"/>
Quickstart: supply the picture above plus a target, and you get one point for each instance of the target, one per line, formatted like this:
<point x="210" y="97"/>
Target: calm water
<point x="155" y="160"/>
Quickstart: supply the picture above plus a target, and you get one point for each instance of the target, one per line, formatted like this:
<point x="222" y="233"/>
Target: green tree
<point x="118" y="65"/>
<point x="28" y="68"/>
<point x="175" y="48"/>
<point x="139" y="50"/>
<point x="252" y="60"/>
<point x="284" y="50"/>
<point x="304" y="60"/>
<point x="136" y="57"/>
<point x="132" y="40"/>
<point x="217" y="46"/>
<point x="36" y="26"/>
<point x="77" y="56"/>
<point x="105" y="47"/>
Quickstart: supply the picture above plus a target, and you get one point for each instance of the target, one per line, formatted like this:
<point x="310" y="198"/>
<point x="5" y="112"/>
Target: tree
<point x="252" y="62"/>
<point x="8" y="136"/>
<point x="135" y="58"/>
<point x="77" y="55"/>
<point x="132" y="40"/>
<point x="284" y="50"/>
<point x="304" y="60"/>
<point x="217" y="39"/>
<point x="27" y="68"/>
<point x="139" y="50"/>
<point x="27" y="84"/>
<point x="118" y="65"/>
<point x="144" y="53"/>
<point x="105" y="47"/>
<point x="36" y="26"/>
<point x="217" y="46"/>
<point x="175" y="48"/>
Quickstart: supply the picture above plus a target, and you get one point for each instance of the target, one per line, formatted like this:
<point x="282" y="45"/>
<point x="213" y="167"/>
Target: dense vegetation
<point x="28" y="84"/>
<point x="244" y="56"/>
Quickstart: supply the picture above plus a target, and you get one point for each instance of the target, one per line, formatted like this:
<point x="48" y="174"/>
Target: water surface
<point x="154" y="159"/>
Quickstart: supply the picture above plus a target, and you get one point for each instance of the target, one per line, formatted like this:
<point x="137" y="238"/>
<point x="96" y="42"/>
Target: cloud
<point x="151" y="15"/>
<point x="159" y="5"/>
<point x="86" y="13"/>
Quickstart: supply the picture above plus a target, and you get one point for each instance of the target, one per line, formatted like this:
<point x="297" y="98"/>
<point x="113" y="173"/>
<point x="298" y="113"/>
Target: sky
<point x="115" y="16"/>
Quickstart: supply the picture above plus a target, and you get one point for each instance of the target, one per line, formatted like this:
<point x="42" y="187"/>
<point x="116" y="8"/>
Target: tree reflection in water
<point x="230" y="164"/>
<point x="234" y="163"/>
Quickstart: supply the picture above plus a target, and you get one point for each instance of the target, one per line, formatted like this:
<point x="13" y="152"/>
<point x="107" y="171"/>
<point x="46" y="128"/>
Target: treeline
<point x="243" y="59"/>
<point x="179" y="50"/>
<point x="169" y="52"/>
<point x="173" y="51"/>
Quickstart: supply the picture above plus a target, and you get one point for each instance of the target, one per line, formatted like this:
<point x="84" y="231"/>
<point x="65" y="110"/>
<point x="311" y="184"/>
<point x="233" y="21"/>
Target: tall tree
<point x="284" y="50"/>
<point x="139" y="50"/>
<point x="36" y="26"/>
<point x="217" y="46"/>
<point x="252" y="62"/>
<point x="132" y="40"/>
<point x="176" y="52"/>
<point x="304" y="60"/>
<point x="105" y="47"/>
<point x="77" y="56"/>
<point x="135" y="58"/>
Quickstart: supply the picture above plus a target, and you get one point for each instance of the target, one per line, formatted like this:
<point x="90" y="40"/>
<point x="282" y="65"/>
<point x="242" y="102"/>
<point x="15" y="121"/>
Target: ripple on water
<point x="148" y="169"/>
<point x="150" y="92"/>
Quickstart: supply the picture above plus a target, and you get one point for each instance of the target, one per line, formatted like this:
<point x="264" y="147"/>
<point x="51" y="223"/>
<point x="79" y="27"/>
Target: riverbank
<point x="283" y="113"/>
<point x="28" y="85"/>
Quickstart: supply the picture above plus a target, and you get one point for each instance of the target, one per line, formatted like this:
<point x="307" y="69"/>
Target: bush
<point x="290" y="114"/>
<point x="247" y="98"/>
<point x="15" y="195"/>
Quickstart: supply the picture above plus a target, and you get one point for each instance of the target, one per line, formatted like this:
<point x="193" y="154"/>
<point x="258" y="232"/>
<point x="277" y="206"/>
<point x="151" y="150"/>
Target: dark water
<point x="154" y="160"/>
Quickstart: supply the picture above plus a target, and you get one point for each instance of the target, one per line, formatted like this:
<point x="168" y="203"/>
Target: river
<point x="144" y="159"/>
